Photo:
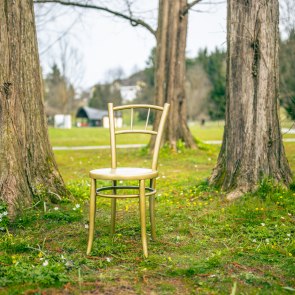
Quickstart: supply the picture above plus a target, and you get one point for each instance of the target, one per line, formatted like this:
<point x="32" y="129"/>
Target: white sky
<point x="103" y="42"/>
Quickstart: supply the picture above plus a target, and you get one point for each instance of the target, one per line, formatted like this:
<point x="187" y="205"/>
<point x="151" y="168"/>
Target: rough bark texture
<point x="26" y="159"/>
<point x="170" y="70"/>
<point x="252" y="144"/>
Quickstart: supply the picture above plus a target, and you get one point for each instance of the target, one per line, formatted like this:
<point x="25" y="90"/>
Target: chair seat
<point x="123" y="173"/>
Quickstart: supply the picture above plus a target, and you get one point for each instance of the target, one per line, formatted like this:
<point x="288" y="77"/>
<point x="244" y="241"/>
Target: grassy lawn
<point x="100" y="136"/>
<point x="205" y="245"/>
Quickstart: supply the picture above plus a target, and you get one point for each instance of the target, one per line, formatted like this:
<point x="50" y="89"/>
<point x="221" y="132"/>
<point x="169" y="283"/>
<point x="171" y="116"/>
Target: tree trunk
<point x="252" y="146"/>
<point x="26" y="160"/>
<point x="170" y="70"/>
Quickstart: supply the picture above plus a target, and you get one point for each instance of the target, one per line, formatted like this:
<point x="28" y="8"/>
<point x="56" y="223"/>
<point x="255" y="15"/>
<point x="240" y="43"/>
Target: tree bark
<point x="26" y="159"/>
<point x="252" y="147"/>
<point x="170" y="70"/>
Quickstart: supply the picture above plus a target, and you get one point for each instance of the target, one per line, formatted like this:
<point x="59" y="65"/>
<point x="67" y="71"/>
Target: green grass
<point x="205" y="245"/>
<point x="88" y="136"/>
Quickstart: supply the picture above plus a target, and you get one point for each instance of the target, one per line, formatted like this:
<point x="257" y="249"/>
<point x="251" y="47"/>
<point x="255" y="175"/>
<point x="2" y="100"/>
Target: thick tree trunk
<point x="170" y="70"/>
<point x="252" y="144"/>
<point x="26" y="159"/>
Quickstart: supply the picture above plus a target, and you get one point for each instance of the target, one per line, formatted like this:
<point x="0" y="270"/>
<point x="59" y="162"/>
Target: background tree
<point x="26" y="159"/>
<point x="170" y="70"/>
<point x="287" y="56"/>
<point x="170" y="61"/>
<point x="102" y="94"/>
<point x="59" y="93"/>
<point x="252" y="147"/>
<point x="214" y="65"/>
<point x="287" y="73"/>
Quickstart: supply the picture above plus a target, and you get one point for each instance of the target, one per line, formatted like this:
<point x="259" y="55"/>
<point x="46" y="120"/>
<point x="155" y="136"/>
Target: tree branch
<point x="189" y="6"/>
<point x="133" y="21"/>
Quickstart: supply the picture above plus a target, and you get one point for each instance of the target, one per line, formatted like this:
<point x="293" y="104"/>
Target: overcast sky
<point x="100" y="42"/>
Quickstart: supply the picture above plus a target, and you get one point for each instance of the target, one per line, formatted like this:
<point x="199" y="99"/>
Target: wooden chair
<point x="139" y="174"/>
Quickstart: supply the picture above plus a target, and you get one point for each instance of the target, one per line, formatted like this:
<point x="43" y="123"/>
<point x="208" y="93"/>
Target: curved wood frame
<point x="143" y="190"/>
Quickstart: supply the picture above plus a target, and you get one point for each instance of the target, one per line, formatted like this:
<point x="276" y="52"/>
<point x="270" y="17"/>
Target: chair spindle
<point x="147" y="119"/>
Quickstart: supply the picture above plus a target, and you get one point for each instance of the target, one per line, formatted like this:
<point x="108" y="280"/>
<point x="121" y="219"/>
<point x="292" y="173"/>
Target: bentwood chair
<point x="116" y="174"/>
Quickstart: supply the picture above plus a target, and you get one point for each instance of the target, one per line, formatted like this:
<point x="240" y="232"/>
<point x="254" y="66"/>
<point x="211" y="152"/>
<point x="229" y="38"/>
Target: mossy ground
<point x="205" y="245"/>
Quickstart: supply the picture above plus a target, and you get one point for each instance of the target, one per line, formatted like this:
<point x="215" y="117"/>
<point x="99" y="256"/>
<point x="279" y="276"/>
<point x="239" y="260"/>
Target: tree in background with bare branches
<point x="170" y="37"/>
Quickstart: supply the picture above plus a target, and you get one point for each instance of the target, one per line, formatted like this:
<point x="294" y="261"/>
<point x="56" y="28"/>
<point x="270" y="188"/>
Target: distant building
<point x="96" y="118"/>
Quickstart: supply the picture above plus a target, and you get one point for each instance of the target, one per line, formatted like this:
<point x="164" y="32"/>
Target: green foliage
<point x="53" y="274"/>
<point x="102" y="94"/>
<point x="287" y="74"/>
<point x="214" y="65"/>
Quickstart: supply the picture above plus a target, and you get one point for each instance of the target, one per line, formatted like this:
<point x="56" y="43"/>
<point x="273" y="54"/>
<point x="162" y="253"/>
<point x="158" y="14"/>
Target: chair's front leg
<point x="113" y="210"/>
<point x="92" y="210"/>
<point x="142" y="216"/>
<point x="152" y="209"/>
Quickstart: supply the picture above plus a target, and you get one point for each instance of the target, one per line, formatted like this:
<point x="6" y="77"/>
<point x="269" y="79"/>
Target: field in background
<point x="88" y="136"/>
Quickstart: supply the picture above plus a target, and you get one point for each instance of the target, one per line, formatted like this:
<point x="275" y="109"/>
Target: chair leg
<point x="92" y="210"/>
<point x="113" y="210"/>
<point x="113" y="215"/>
<point x="142" y="216"/>
<point x="152" y="210"/>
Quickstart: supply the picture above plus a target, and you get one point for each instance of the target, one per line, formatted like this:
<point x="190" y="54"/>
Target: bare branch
<point x="133" y="21"/>
<point x="189" y="6"/>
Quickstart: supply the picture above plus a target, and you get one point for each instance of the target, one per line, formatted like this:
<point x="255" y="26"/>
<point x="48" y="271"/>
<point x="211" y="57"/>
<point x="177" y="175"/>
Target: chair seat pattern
<point x="126" y="173"/>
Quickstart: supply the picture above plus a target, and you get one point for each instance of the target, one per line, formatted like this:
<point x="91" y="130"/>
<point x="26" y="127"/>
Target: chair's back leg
<point x="152" y="209"/>
<point x="142" y="216"/>
<point x="92" y="210"/>
<point x="113" y="210"/>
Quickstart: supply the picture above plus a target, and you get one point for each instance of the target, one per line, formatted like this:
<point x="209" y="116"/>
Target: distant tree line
<point x="206" y="83"/>
<point x="287" y="74"/>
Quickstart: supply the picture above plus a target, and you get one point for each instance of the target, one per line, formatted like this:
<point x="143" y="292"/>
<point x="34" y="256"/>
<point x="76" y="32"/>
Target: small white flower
<point x="77" y="206"/>
<point x="74" y="208"/>
<point x="45" y="263"/>
<point x="254" y="241"/>
<point x="289" y="235"/>
<point x="267" y="241"/>
<point x="109" y="259"/>
<point x="4" y="213"/>
<point x="289" y="214"/>
<point x="86" y="226"/>
<point x="55" y="208"/>
<point x="263" y="224"/>
<point x="282" y="217"/>
<point x="276" y="225"/>
<point x="62" y="257"/>
<point x="163" y="176"/>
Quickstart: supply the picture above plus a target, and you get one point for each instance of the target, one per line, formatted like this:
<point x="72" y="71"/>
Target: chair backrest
<point x="158" y="133"/>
